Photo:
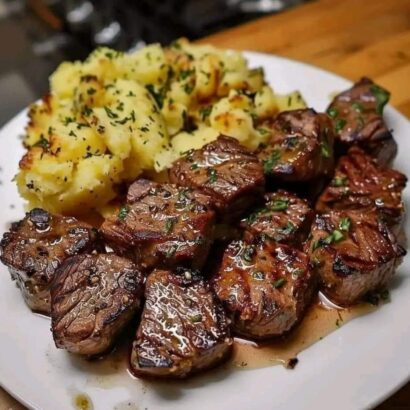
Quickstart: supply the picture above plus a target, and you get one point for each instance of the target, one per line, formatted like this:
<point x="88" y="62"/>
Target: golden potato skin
<point x="115" y="115"/>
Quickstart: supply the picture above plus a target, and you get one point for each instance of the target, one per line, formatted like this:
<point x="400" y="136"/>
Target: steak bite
<point x="36" y="246"/>
<point x="224" y="170"/>
<point x="360" y="183"/>
<point x="265" y="288"/>
<point x="183" y="327"/>
<point x="162" y="225"/>
<point x="357" y="117"/>
<point x="354" y="252"/>
<point x="285" y="218"/>
<point x="300" y="147"/>
<point x="93" y="297"/>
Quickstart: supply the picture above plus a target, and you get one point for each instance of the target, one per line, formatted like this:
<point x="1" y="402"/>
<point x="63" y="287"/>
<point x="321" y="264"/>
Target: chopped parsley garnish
<point x="212" y="175"/>
<point x="188" y="88"/>
<point x="184" y="74"/>
<point x="169" y="224"/>
<point x="279" y="205"/>
<point x="248" y="253"/>
<point x="263" y="131"/>
<point x="271" y="162"/>
<point x="110" y="113"/>
<point x="279" y="283"/>
<point x="334" y="237"/>
<point x="157" y="95"/>
<point x="339" y="181"/>
<point x="205" y="112"/>
<point x="358" y="107"/>
<point x="344" y="224"/>
<point x="332" y="112"/>
<point x="194" y="166"/>
<point x="339" y="124"/>
<point x="42" y="142"/>
<point x="123" y="212"/>
<point x="382" y="97"/>
<point x="258" y="275"/>
<point x="288" y="228"/>
<point x="91" y="91"/>
<point x="68" y="120"/>
<point x="325" y="149"/>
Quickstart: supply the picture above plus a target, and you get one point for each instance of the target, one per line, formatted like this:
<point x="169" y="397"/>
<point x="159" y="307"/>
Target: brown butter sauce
<point x="321" y="319"/>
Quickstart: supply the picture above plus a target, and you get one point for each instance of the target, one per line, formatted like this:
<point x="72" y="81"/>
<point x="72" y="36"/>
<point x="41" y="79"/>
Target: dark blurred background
<point x="36" y="35"/>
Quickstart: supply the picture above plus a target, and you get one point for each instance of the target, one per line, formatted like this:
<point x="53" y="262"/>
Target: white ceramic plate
<point x="355" y="367"/>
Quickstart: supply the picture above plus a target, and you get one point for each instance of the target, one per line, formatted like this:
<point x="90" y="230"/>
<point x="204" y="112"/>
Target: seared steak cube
<point x="357" y="117"/>
<point x="162" y="225"/>
<point x="224" y="170"/>
<point x="93" y="297"/>
<point x="265" y="287"/>
<point x="360" y="183"/>
<point x="285" y="218"/>
<point x="36" y="246"/>
<point x="183" y="327"/>
<point x="354" y="252"/>
<point x="300" y="147"/>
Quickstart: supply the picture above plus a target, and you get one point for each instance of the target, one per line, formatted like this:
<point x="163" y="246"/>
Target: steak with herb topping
<point x="357" y="114"/>
<point x="264" y="287"/>
<point x="354" y="252"/>
<point x="183" y="327"/>
<point x="93" y="297"/>
<point x="162" y="225"/>
<point x="300" y="147"/>
<point x="224" y="170"/>
<point x="360" y="183"/>
<point x="36" y="246"/>
<point x="285" y="218"/>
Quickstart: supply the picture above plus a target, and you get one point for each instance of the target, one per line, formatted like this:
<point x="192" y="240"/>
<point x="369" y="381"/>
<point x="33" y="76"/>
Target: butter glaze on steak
<point x="264" y="287"/>
<point x="93" y="298"/>
<point x="226" y="171"/>
<point x="300" y="147"/>
<point x="36" y="246"/>
<point x="285" y="218"/>
<point x="183" y="327"/>
<point x="360" y="183"/>
<point x="354" y="252"/>
<point x="357" y="118"/>
<point x="162" y="225"/>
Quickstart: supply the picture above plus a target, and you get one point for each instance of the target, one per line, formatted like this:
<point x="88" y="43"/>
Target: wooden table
<point x="348" y="37"/>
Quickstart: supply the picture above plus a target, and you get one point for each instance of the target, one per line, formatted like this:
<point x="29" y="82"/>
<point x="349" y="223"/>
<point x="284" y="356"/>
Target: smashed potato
<point x="114" y="116"/>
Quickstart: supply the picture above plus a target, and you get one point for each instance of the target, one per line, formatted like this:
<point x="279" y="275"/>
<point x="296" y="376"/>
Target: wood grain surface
<point x="349" y="37"/>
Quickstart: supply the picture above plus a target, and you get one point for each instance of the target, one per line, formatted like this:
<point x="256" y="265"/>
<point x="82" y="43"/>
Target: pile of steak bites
<point x="316" y="208"/>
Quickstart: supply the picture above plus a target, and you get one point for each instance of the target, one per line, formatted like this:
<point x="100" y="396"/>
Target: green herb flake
<point x="344" y="224"/>
<point x="339" y="124"/>
<point x="334" y="237"/>
<point x="288" y="228"/>
<point x="123" y="212"/>
<point x="357" y="106"/>
<point x="271" y="162"/>
<point x="42" y="143"/>
<point x="279" y="205"/>
<point x="339" y="181"/>
<point x="205" y="112"/>
<point x="258" y="275"/>
<point x="332" y="112"/>
<point x="382" y="97"/>
<point x="248" y="253"/>
<point x="325" y="149"/>
<point x="279" y="283"/>
<point x="110" y="113"/>
<point x="212" y="175"/>
<point x="169" y="224"/>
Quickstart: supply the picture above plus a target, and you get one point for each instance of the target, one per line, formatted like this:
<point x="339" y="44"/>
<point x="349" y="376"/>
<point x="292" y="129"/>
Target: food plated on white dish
<point x="182" y="215"/>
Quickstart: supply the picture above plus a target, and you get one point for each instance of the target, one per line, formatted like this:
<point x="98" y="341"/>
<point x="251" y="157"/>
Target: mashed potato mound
<point x="114" y="116"/>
